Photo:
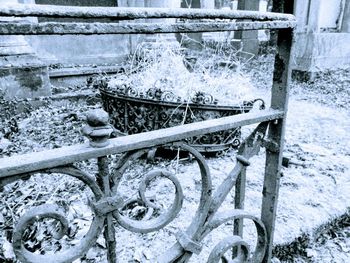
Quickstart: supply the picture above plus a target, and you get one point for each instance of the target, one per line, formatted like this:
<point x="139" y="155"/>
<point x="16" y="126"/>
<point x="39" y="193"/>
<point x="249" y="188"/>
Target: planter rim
<point x="245" y="106"/>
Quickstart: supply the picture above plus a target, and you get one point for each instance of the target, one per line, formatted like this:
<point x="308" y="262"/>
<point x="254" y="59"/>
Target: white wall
<point x="329" y="13"/>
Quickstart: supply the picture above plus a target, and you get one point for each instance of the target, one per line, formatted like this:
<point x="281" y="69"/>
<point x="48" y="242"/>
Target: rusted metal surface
<point x="226" y="244"/>
<point x="109" y="205"/>
<point x="146" y="226"/>
<point x="136" y="13"/>
<point x="275" y="140"/>
<point x="55" y="212"/>
<point x="51" y="28"/>
<point x="98" y="119"/>
<point x="239" y="204"/>
<point x="56" y="157"/>
<point x="207" y="218"/>
<point x="132" y="111"/>
<point x="98" y="129"/>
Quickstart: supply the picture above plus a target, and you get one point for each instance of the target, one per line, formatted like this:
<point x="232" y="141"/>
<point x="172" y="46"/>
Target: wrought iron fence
<point x="108" y="202"/>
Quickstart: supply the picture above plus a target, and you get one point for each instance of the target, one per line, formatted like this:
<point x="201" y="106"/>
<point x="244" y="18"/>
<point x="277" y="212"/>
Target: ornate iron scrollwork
<point x="157" y="223"/>
<point x="135" y="112"/>
<point x="110" y="203"/>
<point x="48" y="211"/>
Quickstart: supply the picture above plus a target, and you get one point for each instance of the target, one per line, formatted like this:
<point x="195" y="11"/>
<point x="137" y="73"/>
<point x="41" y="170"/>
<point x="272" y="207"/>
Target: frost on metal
<point x="108" y="202"/>
<point x="253" y="20"/>
<point x="137" y="13"/>
<point x="136" y="28"/>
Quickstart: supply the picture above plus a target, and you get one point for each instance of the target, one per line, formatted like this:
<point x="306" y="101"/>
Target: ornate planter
<point x="133" y="112"/>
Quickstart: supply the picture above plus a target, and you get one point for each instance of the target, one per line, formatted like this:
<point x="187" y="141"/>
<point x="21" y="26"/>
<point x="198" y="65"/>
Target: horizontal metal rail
<point x="123" y="13"/>
<point x="52" y="158"/>
<point x="108" y="201"/>
<point x="51" y="28"/>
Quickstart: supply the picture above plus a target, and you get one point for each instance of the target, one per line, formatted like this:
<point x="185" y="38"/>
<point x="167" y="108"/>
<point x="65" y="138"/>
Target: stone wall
<point x="322" y="37"/>
<point x="24" y="61"/>
<point x="316" y="52"/>
<point x="23" y="76"/>
<point x="22" y="73"/>
<point x="95" y="49"/>
<point x="80" y="50"/>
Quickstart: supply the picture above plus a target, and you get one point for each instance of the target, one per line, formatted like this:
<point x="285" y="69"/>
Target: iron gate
<point x="107" y="203"/>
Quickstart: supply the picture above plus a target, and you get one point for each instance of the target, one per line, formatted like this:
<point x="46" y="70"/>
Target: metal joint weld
<point x="270" y="145"/>
<point x="244" y="161"/>
<point x="107" y="205"/>
<point x="187" y="243"/>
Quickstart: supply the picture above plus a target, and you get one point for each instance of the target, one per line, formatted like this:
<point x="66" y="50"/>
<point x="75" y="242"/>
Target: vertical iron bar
<point x="279" y="100"/>
<point x="239" y="204"/>
<point x="109" y="232"/>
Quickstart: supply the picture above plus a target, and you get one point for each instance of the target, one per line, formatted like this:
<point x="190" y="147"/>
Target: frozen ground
<point x="311" y="194"/>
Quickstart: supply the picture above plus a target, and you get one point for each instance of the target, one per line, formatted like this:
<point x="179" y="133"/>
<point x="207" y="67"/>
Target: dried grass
<point x="168" y="67"/>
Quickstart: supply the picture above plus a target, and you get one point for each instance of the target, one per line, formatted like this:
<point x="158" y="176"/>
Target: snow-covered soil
<point x="312" y="193"/>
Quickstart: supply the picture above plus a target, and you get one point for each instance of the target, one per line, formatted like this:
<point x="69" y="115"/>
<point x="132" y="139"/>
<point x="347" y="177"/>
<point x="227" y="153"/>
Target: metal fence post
<point x="279" y="100"/>
<point x="98" y="130"/>
<point x="208" y="217"/>
<point x="239" y="204"/>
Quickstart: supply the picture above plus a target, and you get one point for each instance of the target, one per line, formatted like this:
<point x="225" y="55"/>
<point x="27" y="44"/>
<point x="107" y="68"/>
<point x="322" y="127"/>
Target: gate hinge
<point x="271" y="145"/>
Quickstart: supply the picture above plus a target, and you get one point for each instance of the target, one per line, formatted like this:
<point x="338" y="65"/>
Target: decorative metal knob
<point x="97" y="129"/>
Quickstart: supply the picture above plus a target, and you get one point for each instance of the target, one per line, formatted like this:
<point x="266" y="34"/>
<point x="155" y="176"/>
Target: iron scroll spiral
<point x="157" y="223"/>
<point x="151" y="225"/>
<point x="226" y="244"/>
<point x="189" y="241"/>
<point x="49" y="211"/>
<point x="224" y="217"/>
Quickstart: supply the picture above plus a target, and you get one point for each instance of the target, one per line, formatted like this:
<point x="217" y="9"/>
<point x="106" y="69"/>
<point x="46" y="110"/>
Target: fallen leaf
<point x="138" y="255"/>
<point x="8" y="250"/>
<point x="311" y="253"/>
<point x="4" y="143"/>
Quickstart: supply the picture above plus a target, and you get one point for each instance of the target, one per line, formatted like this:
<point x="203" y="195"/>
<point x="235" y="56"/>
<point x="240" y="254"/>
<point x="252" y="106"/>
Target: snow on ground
<point x="317" y="136"/>
<point x="311" y="193"/>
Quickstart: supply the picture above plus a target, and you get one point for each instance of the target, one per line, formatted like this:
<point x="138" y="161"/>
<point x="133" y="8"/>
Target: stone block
<point x="70" y="50"/>
<point x="315" y="52"/>
<point x="23" y="76"/>
<point x="80" y="49"/>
